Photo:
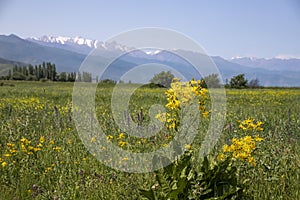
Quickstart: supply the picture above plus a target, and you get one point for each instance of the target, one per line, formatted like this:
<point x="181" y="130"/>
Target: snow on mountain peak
<point x="152" y="52"/>
<point x="244" y="58"/>
<point x="80" y="41"/>
<point x="67" y="40"/>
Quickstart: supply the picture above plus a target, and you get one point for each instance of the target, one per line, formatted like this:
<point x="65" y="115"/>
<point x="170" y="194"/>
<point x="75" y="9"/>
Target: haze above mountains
<point x="68" y="54"/>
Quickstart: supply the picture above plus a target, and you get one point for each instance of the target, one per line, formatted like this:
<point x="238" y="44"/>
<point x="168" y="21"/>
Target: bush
<point x="163" y="78"/>
<point x="254" y="83"/>
<point x="19" y="76"/>
<point x="238" y="81"/>
<point x="31" y="78"/>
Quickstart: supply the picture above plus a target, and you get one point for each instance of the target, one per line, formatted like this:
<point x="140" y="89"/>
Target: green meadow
<point x="42" y="156"/>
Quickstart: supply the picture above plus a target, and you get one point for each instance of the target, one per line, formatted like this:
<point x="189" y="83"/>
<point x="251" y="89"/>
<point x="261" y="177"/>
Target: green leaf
<point x="205" y="165"/>
<point x="149" y="194"/>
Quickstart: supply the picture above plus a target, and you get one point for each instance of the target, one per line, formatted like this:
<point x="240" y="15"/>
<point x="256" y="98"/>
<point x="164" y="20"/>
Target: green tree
<point x="254" y="83"/>
<point x="63" y="76"/>
<point x="212" y="81"/>
<point x="19" y="76"/>
<point x="163" y="78"/>
<point x="79" y="79"/>
<point x="86" y="77"/>
<point x="9" y="75"/>
<point x="40" y="73"/>
<point x="30" y="69"/>
<point x="238" y="81"/>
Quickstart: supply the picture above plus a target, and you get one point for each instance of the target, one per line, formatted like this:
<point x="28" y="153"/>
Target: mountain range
<point x="68" y="53"/>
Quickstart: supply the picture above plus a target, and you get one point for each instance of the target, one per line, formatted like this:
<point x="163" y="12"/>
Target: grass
<point x="45" y="158"/>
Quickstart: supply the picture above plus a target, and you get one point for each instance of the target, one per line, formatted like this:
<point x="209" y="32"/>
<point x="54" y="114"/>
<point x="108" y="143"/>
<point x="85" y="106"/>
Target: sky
<point x="253" y="28"/>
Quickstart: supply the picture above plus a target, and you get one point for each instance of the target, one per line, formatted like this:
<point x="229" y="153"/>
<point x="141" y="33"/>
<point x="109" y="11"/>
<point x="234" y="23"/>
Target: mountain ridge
<point x="77" y="44"/>
<point x="68" y="54"/>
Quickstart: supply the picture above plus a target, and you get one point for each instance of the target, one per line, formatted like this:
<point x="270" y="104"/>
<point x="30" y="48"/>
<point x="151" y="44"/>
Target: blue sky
<point x="258" y="28"/>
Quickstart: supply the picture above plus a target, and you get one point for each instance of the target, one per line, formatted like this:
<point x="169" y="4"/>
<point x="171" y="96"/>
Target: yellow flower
<point x="248" y="121"/>
<point x="249" y="124"/>
<point x="172" y="126"/>
<point x="193" y="82"/>
<point x="13" y="151"/>
<point x="7" y="155"/>
<point x="121" y="143"/>
<point x="47" y="170"/>
<point x="258" y="139"/>
<point x="36" y="149"/>
<point x="188" y="147"/>
<point x="25" y="141"/>
<point x="161" y="117"/>
<point x="252" y="161"/>
<point x="93" y="139"/>
<point x="226" y="148"/>
<point x="165" y="145"/>
<point x="10" y="145"/>
<point x="23" y="148"/>
<point x="259" y="129"/>
<point x="42" y="139"/>
<point x="109" y="137"/>
<point x="242" y="127"/>
<point x="221" y="156"/>
<point x="121" y="135"/>
<point x="57" y="149"/>
<point x="125" y="158"/>
<point x="4" y="164"/>
<point x="259" y="123"/>
<point x="241" y="155"/>
<point x="205" y="114"/>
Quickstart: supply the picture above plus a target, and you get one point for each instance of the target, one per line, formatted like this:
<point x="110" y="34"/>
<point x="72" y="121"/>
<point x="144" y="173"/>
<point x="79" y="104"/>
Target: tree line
<point x="213" y="81"/>
<point x="45" y="72"/>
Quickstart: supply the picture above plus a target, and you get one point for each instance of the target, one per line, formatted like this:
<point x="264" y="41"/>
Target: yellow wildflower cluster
<point x="250" y="124"/>
<point x="3" y="163"/>
<point x="22" y="103"/>
<point x="64" y="109"/>
<point x="26" y="146"/>
<point x="241" y="149"/>
<point x="122" y="143"/>
<point x="188" y="146"/>
<point x="58" y="149"/>
<point x="109" y="137"/>
<point x="23" y="147"/>
<point x="34" y="104"/>
<point x="121" y="136"/>
<point x="48" y="169"/>
<point x="181" y="94"/>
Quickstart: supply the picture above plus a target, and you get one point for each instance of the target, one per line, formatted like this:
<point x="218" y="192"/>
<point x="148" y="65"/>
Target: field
<point x="42" y="156"/>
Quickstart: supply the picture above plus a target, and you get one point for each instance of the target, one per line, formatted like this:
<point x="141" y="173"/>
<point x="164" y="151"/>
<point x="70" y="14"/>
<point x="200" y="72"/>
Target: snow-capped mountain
<point x="275" y="64"/>
<point x="77" y="44"/>
<point x="68" y="54"/>
<point x="68" y="40"/>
